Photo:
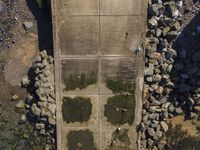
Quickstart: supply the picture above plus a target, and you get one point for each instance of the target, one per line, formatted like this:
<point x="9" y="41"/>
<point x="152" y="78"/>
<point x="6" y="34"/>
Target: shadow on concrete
<point x="44" y="24"/>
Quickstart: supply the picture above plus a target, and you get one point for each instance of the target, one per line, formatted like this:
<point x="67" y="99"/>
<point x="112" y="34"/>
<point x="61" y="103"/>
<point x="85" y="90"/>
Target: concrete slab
<point x="78" y="7"/>
<point x="93" y="118"/>
<point x="119" y="35"/>
<point x="96" y="40"/>
<point x="119" y="7"/>
<point x="79" y="76"/>
<point x="82" y="35"/>
<point x="116" y="69"/>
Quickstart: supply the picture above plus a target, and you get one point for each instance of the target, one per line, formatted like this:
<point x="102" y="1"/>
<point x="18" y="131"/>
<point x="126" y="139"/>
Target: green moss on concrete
<point x="119" y="86"/>
<point x="80" y="140"/>
<point x="80" y="81"/>
<point x="120" y="109"/>
<point x="123" y="137"/>
<point x="76" y="109"/>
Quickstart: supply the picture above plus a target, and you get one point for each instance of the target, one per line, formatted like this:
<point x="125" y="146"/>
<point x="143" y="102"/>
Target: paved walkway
<point x="98" y="72"/>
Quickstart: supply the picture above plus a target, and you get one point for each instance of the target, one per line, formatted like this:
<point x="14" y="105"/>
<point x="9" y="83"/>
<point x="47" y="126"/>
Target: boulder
<point x="164" y="126"/>
<point x="28" y="25"/>
<point x="35" y="110"/>
<point x="151" y="132"/>
<point x="20" y="105"/>
<point x="25" y="81"/>
<point x="15" y="98"/>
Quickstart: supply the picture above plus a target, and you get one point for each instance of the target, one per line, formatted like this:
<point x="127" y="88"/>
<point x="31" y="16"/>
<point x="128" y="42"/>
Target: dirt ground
<point x="18" y="47"/>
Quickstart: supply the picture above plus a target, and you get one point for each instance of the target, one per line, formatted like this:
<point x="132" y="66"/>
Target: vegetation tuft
<point x="80" y="140"/>
<point x="119" y="86"/>
<point x="76" y="109"/>
<point x="120" y="109"/>
<point x="80" y="81"/>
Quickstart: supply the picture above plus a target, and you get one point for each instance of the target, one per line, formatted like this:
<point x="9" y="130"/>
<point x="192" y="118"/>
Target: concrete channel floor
<point x="98" y="72"/>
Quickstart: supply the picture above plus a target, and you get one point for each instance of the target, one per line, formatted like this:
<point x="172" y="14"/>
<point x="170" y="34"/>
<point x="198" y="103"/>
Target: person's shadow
<point x="44" y="24"/>
<point x="186" y="68"/>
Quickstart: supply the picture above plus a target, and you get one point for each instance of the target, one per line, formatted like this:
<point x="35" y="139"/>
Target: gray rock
<point x="151" y="132"/>
<point x="20" y="105"/>
<point x="178" y="66"/>
<point x="52" y="121"/>
<point x="158" y="32"/>
<point x="166" y="105"/>
<point x="52" y="108"/>
<point x="157" y="77"/>
<point x="171" y="108"/>
<point x="2" y="7"/>
<point x="193" y="69"/>
<point x="153" y="10"/>
<point x="161" y="145"/>
<point x="39" y="126"/>
<point x="182" y="53"/>
<point x="197" y="109"/>
<point x="145" y="118"/>
<point x="45" y="113"/>
<point x="179" y="4"/>
<point x="46" y="72"/>
<point x="149" y="70"/>
<point x="196" y="56"/>
<point x="163" y="100"/>
<point x="179" y="110"/>
<point x="50" y="59"/>
<point x="164" y="126"/>
<point x="38" y="59"/>
<point x="35" y="110"/>
<point x="152" y="109"/>
<point x="15" y="98"/>
<point x="150" y="143"/>
<point x="158" y="134"/>
<point x="169" y="68"/>
<point x="153" y="22"/>
<point x="149" y="79"/>
<point x="190" y="102"/>
<point x="154" y="124"/>
<point x="146" y="105"/>
<point x="43" y="54"/>
<point x="25" y="81"/>
<point x="183" y="87"/>
<point x="28" y="25"/>
<point x="184" y="76"/>
<point x="23" y="119"/>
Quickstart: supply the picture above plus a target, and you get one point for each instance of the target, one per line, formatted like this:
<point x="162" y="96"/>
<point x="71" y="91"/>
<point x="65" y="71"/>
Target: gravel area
<point x="172" y="83"/>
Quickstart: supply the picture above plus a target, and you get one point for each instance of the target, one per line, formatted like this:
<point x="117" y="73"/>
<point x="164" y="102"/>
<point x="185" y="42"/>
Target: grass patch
<point x="76" y="109"/>
<point x="80" y="81"/>
<point x="80" y="140"/>
<point x="119" y="86"/>
<point x="120" y="109"/>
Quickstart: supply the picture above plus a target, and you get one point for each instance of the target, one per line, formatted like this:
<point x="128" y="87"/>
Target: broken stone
<point x="164" y="126"/>
<point x="28" y="25"/>
<point x="15" y="98"/>
<point x="35" y="110"/>
<point x="25" y="81"/>
<point x="20" y="105"/>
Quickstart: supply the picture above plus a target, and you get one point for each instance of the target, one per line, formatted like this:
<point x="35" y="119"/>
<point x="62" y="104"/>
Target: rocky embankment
<point x="172" y="74"/>
<point x="41" y="98"/>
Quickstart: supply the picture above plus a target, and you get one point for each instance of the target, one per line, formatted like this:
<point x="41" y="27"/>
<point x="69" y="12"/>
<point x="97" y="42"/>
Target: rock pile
<point x="41" y="98"/>
<point x="171" y="75"/>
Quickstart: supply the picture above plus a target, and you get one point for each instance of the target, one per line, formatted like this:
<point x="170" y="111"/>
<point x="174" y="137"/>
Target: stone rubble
<point x="171" y="75"/>
<point x="41" y="98"/>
